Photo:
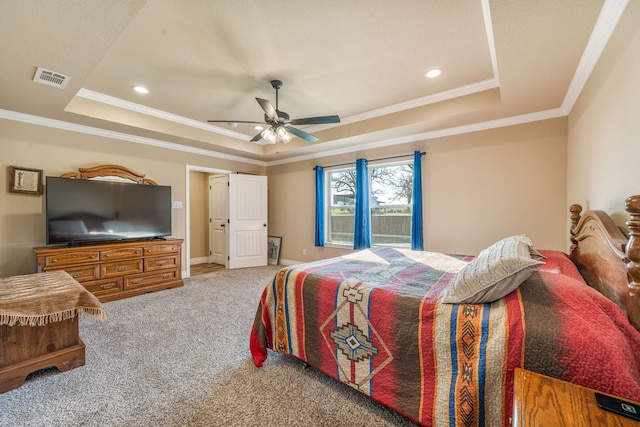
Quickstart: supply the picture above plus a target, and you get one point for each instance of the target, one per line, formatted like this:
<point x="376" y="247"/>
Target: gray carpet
<point x="180" y="357"/>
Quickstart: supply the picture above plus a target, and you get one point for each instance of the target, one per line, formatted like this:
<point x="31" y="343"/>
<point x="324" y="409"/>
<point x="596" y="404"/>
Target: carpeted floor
<point x="180" y="357"/>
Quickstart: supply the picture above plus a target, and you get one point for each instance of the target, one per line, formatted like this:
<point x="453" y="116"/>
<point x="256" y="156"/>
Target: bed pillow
<point x="497" y="271"/>
<point x="560" y="263"/>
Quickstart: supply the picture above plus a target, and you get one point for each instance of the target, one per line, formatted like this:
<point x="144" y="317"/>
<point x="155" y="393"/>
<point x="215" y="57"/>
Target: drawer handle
<point x="53" y="261"/>
<point x="108" y="285"/>
<point x="122" y="268"/>
<point x="107" y="255"/>
<point x="166" y="276"/>
<point x="136" y="281"/>
<point x="76" y="274"/>
<point x="92" y="256"/>
<point x="161" y="262"/>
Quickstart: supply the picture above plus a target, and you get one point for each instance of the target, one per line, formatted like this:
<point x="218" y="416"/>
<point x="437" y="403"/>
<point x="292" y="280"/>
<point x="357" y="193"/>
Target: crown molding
<point x="605" y="25"/>
<point x="440" y="133"/>
<point x="153" y="112"/>
<point x="417" y="102"/>
<point x="89" y="130"/>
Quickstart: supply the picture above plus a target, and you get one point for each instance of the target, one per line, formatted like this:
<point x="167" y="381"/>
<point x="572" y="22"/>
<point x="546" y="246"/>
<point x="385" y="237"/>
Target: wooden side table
<point x="539" y="400"/>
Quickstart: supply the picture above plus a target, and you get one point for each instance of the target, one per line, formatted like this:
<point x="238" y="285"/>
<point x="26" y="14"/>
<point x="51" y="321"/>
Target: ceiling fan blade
<point x="233" y="121"/>
<point x="301" y="134"/>
<point x="258" y="137"/>
<point x="268" y="109"/>
<point x="315" y="120"/>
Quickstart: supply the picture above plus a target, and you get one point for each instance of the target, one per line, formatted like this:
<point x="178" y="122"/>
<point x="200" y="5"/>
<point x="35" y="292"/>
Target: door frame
<point x="187" y="213"/>
<point x="225" y="229"/>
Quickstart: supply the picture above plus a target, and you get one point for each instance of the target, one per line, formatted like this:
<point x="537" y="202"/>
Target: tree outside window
<point x="391" y="188"/>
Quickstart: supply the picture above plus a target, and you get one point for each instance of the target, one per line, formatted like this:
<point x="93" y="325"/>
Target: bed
<point x="410" y="330"/>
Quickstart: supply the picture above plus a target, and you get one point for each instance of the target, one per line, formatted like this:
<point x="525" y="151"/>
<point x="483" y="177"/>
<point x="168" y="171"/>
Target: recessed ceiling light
<point x="258" y="127"/>
<point x="141" y="89"/>
<point x="433" y="73"/>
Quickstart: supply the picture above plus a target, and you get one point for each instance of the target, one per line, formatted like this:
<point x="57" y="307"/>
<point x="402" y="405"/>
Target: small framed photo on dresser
<point x="25" y="180"/>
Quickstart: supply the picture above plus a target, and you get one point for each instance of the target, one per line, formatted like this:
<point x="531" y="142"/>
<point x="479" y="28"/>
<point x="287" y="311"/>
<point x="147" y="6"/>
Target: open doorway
<point x="244" y="237"/>
<point x="196" y="245"/>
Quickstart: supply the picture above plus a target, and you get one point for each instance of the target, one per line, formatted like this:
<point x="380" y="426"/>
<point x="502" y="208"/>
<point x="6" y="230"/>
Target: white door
<point x="247" y="221"/>
<point x="218" y="217"/>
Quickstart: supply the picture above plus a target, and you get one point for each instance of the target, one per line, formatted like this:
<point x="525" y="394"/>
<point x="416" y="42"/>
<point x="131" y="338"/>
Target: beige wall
<point x="604" y="125"/>
<point x="199" y="214"/>
<point x="477" y="188"/>
<point x="22" y="218"/>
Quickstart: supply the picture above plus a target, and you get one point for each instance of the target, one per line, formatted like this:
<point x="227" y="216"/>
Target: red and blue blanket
<point x="373" y="321"/>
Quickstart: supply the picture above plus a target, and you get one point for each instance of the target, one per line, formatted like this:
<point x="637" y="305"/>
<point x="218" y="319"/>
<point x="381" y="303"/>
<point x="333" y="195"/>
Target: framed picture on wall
<point x="273" y="249"/>
<point x="25" y="180"/>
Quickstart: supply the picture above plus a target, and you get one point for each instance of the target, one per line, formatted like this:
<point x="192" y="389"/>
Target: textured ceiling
<point x="504" y="62"/>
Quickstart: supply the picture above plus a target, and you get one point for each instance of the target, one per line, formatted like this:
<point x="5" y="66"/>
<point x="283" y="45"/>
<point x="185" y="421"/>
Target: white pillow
<point x="497" y="271"/>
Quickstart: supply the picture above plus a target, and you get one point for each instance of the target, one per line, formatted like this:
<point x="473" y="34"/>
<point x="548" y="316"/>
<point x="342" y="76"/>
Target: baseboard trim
<point x="289" y="262"/>
<point x="199" y="260"/>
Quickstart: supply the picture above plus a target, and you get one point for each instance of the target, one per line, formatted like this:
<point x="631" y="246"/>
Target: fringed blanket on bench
<point x="42" y="298"/>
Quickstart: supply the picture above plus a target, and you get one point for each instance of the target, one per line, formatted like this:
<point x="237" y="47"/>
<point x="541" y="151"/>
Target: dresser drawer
<point x="71" y="258"/>
<point x="132" y="282"/>
<point x="160" y="249"/>
<point x="114" y="269"/>
<point x="120" y="253"/>
<point x="82" y="273"/>
<point x="161" y="263"/>
<point x="104" y="286"/>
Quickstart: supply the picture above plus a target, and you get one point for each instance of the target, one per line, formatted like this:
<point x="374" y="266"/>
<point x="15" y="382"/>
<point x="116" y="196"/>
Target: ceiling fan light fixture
<point x="269" y="135"/>
<point x="283" y="135"/>
<point x="281" y="127"/>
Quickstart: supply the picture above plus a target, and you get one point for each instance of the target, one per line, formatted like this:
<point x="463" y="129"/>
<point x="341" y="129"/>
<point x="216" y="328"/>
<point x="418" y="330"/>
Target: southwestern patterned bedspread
<point x="373" y="321"/>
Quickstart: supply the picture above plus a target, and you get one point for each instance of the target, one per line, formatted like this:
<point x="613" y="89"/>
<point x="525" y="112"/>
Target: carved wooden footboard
<point x="606" y="258"/>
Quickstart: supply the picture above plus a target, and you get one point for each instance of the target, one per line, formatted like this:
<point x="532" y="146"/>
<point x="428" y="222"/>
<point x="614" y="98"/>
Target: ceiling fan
<point x="280" y="125"/>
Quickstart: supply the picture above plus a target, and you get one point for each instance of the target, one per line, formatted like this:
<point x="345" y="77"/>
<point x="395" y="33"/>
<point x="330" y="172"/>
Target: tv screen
<point x="82" y="211"/>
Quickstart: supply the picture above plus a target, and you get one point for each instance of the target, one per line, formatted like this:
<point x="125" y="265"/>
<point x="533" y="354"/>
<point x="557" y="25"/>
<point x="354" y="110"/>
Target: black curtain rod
<point x="422" y="154"/>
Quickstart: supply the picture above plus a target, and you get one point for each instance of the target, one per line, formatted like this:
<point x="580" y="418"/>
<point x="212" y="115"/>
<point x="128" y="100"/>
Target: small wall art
<point x="25" y="180"/>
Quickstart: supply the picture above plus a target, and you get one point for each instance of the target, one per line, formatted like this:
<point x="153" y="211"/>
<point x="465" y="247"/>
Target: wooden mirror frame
<point x="109" y="170"/>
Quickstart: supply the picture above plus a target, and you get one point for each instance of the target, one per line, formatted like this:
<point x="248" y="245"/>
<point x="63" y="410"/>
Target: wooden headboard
<point x="606" y="258"/>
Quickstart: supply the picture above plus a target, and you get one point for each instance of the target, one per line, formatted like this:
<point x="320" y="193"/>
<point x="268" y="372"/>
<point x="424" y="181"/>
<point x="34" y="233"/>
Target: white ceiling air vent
<point x="51" y="78"/>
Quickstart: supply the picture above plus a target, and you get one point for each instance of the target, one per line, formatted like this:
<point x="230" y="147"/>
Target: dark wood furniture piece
<point x="25" y="348"/>
<point x="606" y="258"/>
<point x="114" y="271"/>
<point x="539" y="400"/>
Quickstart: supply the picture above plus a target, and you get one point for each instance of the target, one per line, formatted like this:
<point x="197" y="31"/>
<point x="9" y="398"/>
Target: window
<point x="391" y="187"/>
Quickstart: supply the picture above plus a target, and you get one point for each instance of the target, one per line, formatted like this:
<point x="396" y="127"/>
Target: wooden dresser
<point x="539" y="400"/>
<point x="114" y="271"/>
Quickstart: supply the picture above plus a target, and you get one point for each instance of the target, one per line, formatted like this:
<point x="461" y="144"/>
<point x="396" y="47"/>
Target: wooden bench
<point x="39" y="325"/>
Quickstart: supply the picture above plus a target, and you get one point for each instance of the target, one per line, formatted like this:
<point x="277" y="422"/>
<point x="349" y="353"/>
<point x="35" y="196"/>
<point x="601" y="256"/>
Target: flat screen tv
<point x="88" y="211"/>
